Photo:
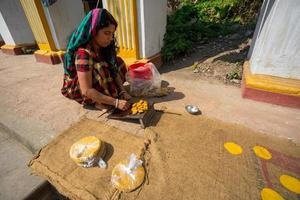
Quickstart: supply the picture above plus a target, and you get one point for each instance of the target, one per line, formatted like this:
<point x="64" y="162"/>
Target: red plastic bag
<point x="140" y="71"/>
<point x="143" y="78"/>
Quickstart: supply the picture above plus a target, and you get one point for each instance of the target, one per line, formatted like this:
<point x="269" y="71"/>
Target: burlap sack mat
<point x="54" y="164"/>
<point x="188" y="161"/>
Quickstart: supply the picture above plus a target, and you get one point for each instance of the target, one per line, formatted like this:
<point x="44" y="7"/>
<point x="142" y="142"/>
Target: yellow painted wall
<point x="125" y="13"/>
<point x="35" y="14"/>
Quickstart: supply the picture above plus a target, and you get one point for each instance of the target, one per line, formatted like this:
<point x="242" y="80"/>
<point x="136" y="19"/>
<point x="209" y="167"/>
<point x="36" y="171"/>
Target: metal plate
<point x="194" y="110"/>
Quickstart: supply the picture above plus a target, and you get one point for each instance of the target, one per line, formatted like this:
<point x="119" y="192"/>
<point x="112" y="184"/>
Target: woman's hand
<point x="124" y="95"/>
<point x="123" y="105"/>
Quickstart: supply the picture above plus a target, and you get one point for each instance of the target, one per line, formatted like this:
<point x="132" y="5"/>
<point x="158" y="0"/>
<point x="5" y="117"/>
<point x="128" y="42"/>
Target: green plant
<point x="180" y="33"/>
<point x="235" y="74"/>
<point x="196" y="19"/>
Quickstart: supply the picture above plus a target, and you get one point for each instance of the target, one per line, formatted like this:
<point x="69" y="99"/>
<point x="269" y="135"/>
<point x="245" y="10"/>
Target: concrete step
<point x="15" y="179"/>
<point x="20" y="138"/>
<point x="45" y="192"/>
<point x="30" y="132"/>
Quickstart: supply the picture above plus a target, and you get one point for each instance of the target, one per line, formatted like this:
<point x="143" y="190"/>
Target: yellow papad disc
<point x="85" y="149"/>
<point x="127" y="182"/>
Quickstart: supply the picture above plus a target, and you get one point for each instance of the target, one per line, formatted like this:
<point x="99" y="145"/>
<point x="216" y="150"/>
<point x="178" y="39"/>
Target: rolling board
<point x="143" y="118"/>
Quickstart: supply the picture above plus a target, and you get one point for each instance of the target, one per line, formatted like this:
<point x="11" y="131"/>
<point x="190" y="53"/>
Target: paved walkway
<point x="15" y="179"/>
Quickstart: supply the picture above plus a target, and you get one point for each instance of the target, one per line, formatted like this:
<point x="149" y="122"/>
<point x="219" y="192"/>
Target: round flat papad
<point x="87" y="149"/>
<point x="127" y="182"/>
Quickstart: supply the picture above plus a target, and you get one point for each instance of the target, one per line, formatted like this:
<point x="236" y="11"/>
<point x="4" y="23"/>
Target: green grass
<point x="205" y="19"/>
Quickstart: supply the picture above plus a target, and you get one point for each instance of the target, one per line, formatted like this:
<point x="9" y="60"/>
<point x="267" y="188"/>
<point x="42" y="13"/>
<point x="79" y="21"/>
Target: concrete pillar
<point x="142" y="25"/>
<point x="273" y="72"/>
<point x="152" y="21"/>
<point x="277" y="50"/>
<point x="62" y="20"/>
<point x="125" y="13"/>
<point x="14" y="27"/>
<point x="52" y="26"/>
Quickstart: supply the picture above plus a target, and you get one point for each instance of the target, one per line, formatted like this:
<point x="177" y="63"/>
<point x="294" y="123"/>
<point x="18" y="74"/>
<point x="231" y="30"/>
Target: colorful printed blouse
<point x="102" y="80"/>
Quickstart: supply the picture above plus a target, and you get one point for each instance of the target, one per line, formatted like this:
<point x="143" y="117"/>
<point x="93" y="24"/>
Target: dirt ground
<point x="220" y="58"/>
<point x="227" y="67"/>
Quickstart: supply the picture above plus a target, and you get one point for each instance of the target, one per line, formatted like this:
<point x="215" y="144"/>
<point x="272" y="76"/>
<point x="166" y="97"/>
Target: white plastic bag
<point x="144" y="79"/>
<point x="128" y="175"/>
<point x="87" y="161"/>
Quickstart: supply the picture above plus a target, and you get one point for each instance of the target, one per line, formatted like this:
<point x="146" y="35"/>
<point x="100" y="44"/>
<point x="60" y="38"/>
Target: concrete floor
<point x="33" y="111"/>
<point x="30" y="100"/>
<point x="225" y="102"/>
<point x="15" y="179"/>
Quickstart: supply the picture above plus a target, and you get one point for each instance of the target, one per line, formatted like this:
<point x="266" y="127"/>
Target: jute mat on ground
<point x="54" y="164"/>
<point x="188" y="160"/>
<point x="185" y="160"/>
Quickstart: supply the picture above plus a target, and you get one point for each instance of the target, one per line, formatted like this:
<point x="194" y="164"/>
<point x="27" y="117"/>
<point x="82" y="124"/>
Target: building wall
<point x="152" y="20"/>
<point x="263" y="15"/>
<point x="4" y="31"/>
<point x="124" y="11"/>
<point x="277" y="48"/>
<point x="14" y="26"/>
<point x="63" y="18"/>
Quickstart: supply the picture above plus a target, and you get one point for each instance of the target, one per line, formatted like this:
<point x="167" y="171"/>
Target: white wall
<point x="4" y="31"/>
<point x="152" y="20"/>
<point x="63" y="18"/>
<point x="14" y="26"/>
<point x="277" y="48"/>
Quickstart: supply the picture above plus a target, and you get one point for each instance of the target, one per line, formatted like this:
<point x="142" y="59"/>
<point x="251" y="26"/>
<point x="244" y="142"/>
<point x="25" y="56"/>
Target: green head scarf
<point x="82" y="35"/>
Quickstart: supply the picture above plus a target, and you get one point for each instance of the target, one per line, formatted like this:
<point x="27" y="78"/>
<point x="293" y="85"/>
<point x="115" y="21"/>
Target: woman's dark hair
<point x="109" y="52"/>
<point x="105" y="20"/>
